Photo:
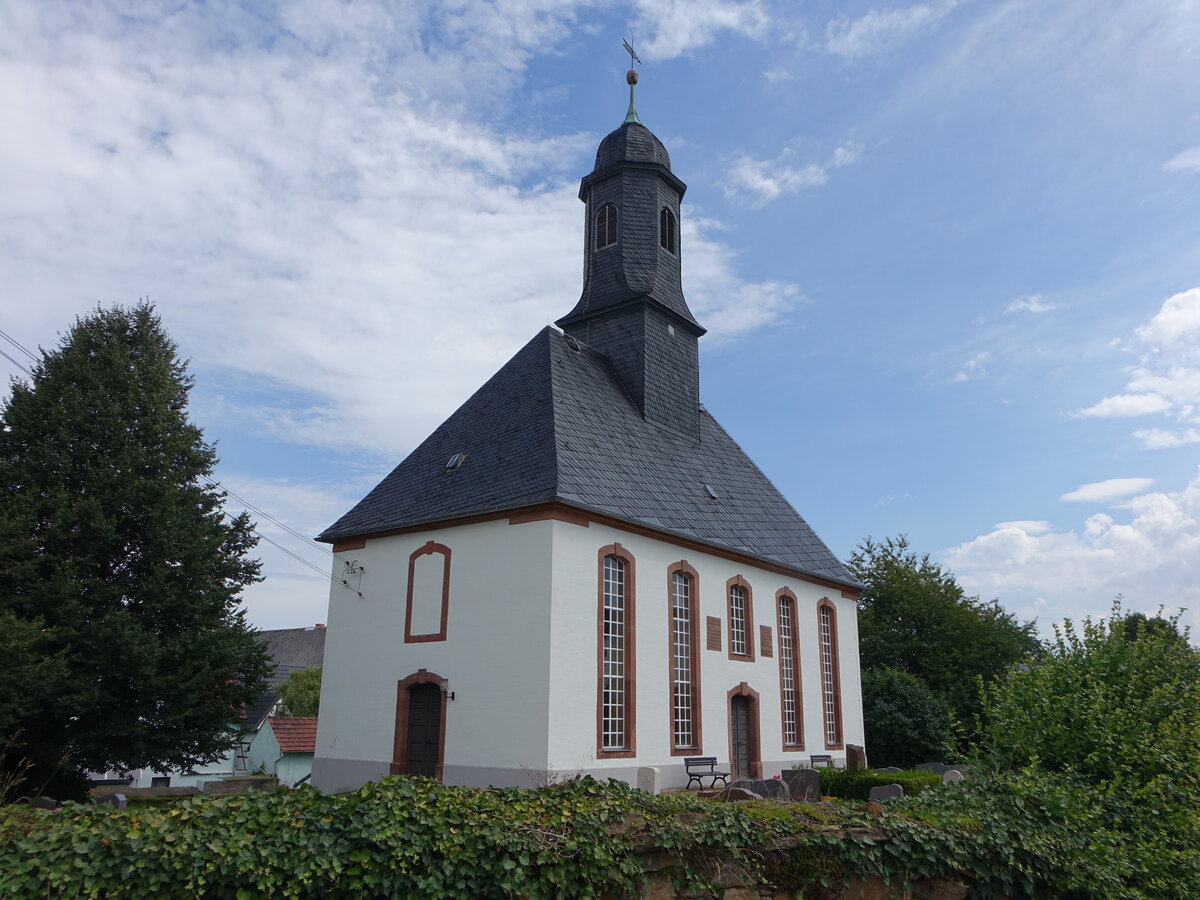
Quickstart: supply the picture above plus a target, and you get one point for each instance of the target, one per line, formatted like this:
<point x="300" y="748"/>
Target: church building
<point x="580" y="571"/>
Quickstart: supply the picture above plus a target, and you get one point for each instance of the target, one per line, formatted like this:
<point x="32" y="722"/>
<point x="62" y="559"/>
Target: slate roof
<point x="555" y="424"/>
<point x="291" y="649"/>
<point x="295" y="735"/>
<point x="632" y="142"/>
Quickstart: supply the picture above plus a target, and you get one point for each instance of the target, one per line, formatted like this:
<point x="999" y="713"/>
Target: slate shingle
<point x="556" y="424"/>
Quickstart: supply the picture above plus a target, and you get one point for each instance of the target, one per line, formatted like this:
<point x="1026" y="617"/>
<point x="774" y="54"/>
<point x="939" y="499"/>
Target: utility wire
<point x="15" y="363"/>
<point x="216" y="485"/>
<point x="12" y="340"/>
<point x="297" y="557"/>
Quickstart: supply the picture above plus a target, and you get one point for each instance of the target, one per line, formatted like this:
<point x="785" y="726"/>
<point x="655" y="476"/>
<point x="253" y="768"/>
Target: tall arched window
<point x="606" y="226"/>
<point x="741" y="619"/>
<point x="791" y="689"/>
<point x="831" y="693"/>
<point x="666" y="230"/>
<point x="616" y="713"/>
<point x="683" y="586"/>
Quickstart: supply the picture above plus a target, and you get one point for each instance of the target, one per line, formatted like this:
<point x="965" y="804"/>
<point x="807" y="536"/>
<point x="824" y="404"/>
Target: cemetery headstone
<point x="43" y="802"/>
<point x="886" y="792"/>
<point x="117" y="800"/>
<point x="856" y="757"/>
<point x="939" y="768"/>
<point x="803" y="784"/>
<point x="648" y="779"/>
<point x="953" y="776"/>
<point x="890" y="769"/>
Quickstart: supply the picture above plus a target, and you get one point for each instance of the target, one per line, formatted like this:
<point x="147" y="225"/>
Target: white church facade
<point x="580" y="571"/>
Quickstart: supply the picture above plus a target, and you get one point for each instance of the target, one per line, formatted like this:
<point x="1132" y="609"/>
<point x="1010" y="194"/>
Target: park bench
<point x="701" y="767"/>
<point x="820" y="759"/>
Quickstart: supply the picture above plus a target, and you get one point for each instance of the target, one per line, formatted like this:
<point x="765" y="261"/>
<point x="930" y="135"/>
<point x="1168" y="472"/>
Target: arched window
<point x="683" y="588"/>
<point x="831" y="693"/>
<point x="666" y="230"/>
<point x="791" y="690"/>
<point x="606" y="226"/>
<point x="427" y="604"/>
<point x="616" y="712"/>
<point x="741" y="619"/>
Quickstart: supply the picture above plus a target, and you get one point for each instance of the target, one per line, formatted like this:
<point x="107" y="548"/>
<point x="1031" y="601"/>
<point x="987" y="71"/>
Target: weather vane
<point x="631" y="77"/>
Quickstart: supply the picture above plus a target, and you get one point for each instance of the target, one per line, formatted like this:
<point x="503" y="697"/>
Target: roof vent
<point x="712" y="494"/>
<point x="572" y="343"/>
<point x="455" y="461"/>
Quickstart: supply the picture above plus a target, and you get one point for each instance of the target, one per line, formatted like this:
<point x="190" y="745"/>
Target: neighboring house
<point x="580" y="570"/>
<point x="291" y="649"/>
<point x="283" y="747"/>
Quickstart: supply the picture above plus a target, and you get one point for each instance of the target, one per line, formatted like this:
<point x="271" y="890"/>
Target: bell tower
<point x="632" y="308"/>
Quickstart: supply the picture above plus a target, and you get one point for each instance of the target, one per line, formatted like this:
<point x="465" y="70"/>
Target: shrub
<point x="856" y="785"/>
<point x="905" y="722"/>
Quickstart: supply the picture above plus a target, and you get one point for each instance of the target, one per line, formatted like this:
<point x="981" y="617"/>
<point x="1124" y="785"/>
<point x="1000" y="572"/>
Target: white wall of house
<point x="493" y="658"/>
<point x="523" y="669"/>
<point x="573" y="670"/>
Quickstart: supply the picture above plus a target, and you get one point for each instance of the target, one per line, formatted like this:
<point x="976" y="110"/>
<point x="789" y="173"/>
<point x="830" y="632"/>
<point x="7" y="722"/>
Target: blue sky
<point x="948" y="252"/>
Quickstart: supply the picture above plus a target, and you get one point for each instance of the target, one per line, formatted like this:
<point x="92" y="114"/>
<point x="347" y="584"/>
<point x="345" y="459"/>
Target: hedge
<point x="856" y="784"/>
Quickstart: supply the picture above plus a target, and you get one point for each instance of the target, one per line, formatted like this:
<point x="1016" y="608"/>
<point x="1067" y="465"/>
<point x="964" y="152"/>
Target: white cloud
<point x="1187" y="161"/>
<point x="677" y="27"/>
<point x="973" y="368"/>
<point x="757" y="182"/>
<point x="880" y="30"/>
<point x="1125" y="405"/>
<point x="1166" y="378"/>
<point x="1152" y="558"/>
<point x="1028" y="526"/>
<point x="1034" y="303"/>
<point x="1109" y="489"/>
<point x="1158" y="439"/>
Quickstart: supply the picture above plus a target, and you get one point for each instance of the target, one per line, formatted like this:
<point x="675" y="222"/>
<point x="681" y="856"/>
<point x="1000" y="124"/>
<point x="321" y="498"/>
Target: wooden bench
<point x="701" y="767"/>
<point x="820" y="759"/>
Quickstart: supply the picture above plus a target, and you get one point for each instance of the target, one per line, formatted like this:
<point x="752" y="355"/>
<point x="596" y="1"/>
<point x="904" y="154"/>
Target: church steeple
<point x="632" y="308"/>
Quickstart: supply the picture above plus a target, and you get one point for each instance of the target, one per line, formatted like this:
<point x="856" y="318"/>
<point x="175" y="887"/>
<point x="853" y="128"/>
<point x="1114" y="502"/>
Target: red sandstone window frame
<point x="682" y="568"/>
<point x="747" y="615"/>
<point x="439" y="635"/>
<point x="831" y="677"/>
<point x="785" y="596"/>
<point x="629" y="677"/>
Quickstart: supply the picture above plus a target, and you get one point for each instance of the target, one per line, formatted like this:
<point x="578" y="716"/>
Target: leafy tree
<point x="914" y="617"/>
<point x="1113" y="705"/>
<point x="905" y="723"/>
<point x="300" y="693"/>
<point x="119" y="575"/>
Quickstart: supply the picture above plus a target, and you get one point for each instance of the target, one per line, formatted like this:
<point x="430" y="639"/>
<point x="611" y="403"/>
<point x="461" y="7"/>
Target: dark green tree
<point x="300" y="693"/>
<point x="905" y="723"/>
<point x="119" y="572"/>
<point x="914" y="617"/>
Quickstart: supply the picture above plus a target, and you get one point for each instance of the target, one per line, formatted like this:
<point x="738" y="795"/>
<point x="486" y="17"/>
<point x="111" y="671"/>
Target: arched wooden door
<point x="424" y="730"/>
<point x="419" y="747"/>
<point x="745" y="760"/>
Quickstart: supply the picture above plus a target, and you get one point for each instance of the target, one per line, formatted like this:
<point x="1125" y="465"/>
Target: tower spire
<point x="631" y="78"/>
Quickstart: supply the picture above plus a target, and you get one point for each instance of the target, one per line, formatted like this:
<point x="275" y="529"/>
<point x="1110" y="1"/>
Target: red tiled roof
<point x="295" y="735"/>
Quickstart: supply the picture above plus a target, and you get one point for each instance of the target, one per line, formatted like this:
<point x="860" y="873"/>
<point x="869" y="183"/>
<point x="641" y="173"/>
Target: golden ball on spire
<point x="631" y="77"/>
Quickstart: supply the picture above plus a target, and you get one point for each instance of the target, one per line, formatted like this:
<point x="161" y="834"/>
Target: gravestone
<point x="953" y="776"/>
<point x="938" y="768"/>
<point x="43" y="802"/>
<point x="733" y="794"/>
<point x="890" y="769"/>
<point x="856" y="758"/>
<point x="762" y="787"/>
<point x="117" y="800"/>
<point x="648" y="779"/>
<point x="803" y="784"/>
<point x="886" y="792"/>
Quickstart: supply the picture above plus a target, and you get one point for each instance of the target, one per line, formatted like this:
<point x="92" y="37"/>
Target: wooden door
<point x="424" y="730"/>
<point x="739" y="725"/>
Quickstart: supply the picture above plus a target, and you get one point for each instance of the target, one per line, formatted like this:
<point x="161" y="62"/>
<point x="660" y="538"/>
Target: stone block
<point x="647" y="779"/>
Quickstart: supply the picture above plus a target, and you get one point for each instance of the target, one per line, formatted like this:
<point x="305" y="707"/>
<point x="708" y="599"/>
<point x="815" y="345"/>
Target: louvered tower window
<point x="667" y="230"/>
<point x="606" y="226"/>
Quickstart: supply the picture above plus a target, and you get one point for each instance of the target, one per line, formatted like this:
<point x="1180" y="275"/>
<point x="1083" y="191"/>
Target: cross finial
<point x="631" y="77"/>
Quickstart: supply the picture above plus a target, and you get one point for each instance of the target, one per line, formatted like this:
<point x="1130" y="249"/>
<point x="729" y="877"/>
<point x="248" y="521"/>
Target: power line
<point x="216" y="485"/>
<point x="14" y="362"/>
<point x="12" y="340"/>
<point x="297" y="557"/>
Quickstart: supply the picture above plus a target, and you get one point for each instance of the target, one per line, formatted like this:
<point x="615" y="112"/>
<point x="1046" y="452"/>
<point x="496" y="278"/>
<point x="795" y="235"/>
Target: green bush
<point x="856" y="785"/>
<point x="905" y="722"/>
